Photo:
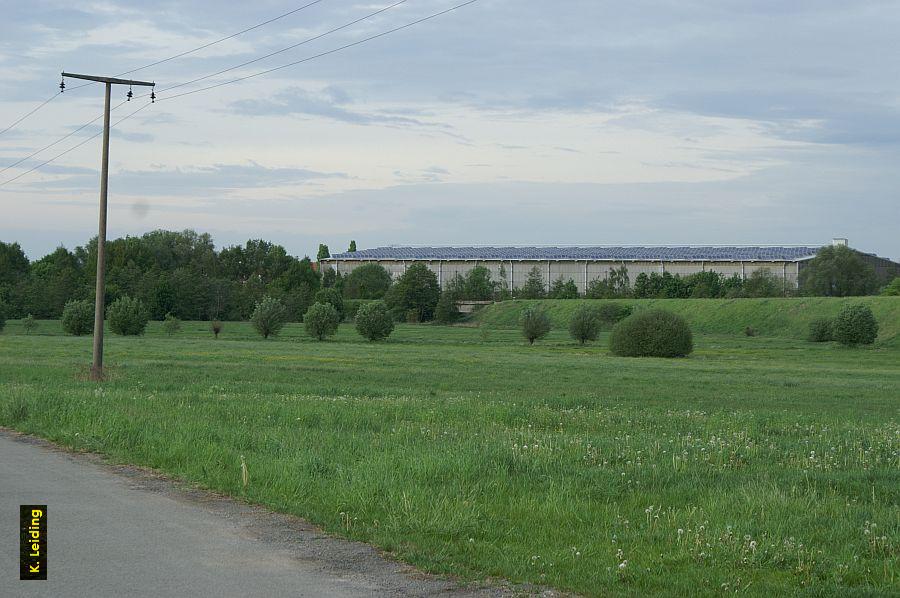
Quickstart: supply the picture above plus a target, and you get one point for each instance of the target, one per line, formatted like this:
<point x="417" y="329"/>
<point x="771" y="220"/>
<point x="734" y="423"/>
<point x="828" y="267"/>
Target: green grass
<point x="785" y="317"/>
<point x="765" y="465"/>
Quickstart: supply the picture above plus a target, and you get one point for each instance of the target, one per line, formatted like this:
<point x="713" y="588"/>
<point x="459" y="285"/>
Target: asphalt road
<point x="120" y="531"/>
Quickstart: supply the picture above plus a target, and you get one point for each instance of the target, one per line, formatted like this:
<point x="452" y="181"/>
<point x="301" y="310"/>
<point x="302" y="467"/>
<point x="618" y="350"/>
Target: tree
<point x="78" y="317"/>
<point x="321" y="320"/>
<point x="374" y="321"/>
<point x="268" y="317"/>
<point x="563" y="290"/>
<point x="368" y="281"/>
<point x="323" y="253"/>
<point x="763" y="283"/>
<point x="171" y="324"/>
<point x="535" y="323"/>
<point x="477" y="285"/>
<point x="28" y="323"/>
<point x="446" y="311"/>
<point x="585" y="324"/>
<point x="127" y="316"/>
<point x="892" y="289"/>
<point x="352" y="248"/>
<point x="534" y="285"/>
<point x="331" y="297"/>
<point x="837" y="271"/>
<point x="416" y="292"/>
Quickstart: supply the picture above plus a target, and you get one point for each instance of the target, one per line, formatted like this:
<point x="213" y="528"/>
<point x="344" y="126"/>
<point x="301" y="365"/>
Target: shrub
<point x="585" y="324"/>
<point x="535" y="323"/>
<point x="652" y="333"/>
<point x="351" y="307"/>
<point x="78" y="317"/>
<point x="268" y="317"/>
<point x="855" y="325"/>
<point x="127" y="316"/>
<point x="821" y="330"/>
<point x="610" y="313"/>
<point x="446" y="312"/>
<point x="749" y="331"/>
<point x="216" y="326"/>
<point x="2" y="315"/>
<point x="28" y="323"/>
<point x="171" y="324"/>
<point x="374" y="321"/>
<point x="333" y="298"/>
<point x="321" y="320"/>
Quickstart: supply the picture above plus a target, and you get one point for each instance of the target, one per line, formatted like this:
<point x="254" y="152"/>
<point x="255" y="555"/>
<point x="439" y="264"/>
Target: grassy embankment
<point x="782" y="317"/>
<point x="764" y="465"/>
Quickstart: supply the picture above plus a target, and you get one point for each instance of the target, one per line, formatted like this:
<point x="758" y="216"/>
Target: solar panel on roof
<point x="665" y="253"/>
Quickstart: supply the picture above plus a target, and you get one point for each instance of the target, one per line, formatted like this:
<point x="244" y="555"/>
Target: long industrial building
<point x="584" y="264"/>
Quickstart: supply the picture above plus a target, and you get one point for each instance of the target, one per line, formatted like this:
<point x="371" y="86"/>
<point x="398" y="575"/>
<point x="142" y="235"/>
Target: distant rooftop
<point x="669" y="253"/>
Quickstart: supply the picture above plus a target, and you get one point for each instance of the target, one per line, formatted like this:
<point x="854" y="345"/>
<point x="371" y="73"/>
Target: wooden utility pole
<point x="100" y="299"/>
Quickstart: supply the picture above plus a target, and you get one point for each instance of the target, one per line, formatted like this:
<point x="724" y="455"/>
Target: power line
<point x="321" y="54"/>
<point x="257" y="74"/>
<point x="60" y="140"/>
<point x="282" y="50"/>
<point x="286" y="48"/>
<point x="73" y="148"/>
<point x="41" y="105"/>
<point x="173" y="57"/>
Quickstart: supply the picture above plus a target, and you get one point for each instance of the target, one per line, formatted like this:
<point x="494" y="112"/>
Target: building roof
<point x="640" y="253"/>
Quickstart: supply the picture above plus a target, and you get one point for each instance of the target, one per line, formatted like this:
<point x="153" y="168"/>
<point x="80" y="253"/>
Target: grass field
<point x="759" y="465"/>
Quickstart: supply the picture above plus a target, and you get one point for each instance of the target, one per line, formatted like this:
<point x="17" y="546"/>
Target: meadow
<point x="759" y="465"/>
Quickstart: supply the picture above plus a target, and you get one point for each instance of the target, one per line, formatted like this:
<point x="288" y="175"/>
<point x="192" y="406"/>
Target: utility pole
<point x="100" y="299"/>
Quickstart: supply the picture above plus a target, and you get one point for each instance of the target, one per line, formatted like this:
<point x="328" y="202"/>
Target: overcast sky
<point x="505" y="122"/>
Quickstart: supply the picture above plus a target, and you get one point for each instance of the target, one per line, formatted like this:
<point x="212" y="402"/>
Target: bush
<point x="2" y="315"/>
<point x="535" y="323"/>
<point x="749" y="331"/>
<point x="563" y="289"/>
<point x="216" y="327"/>
<point x="351" y="307"/>
<point x="374" y="321"/>
<point x="446" y="312"/>
<point x="28" y="323"/>
<point x="821" y="330"/>
<point x="333" y="298"/>
<point x="127" y="316"/>
<point x="611" y="313"/>
<point x="268" y="317"/>
<point x="652" y="333"/>
<point x="855" y="325"/>
<point x="171" y="324"/>
<point x="321" y="320"/>
<point x="585" y="324"/>
<point x="78" y="317"/>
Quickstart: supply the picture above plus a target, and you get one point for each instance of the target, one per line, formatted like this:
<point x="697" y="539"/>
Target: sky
<point x="583" y="122"/>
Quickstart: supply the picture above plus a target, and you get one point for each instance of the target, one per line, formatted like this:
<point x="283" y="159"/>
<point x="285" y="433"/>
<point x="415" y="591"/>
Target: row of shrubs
<point x="660" y="333"/>
<point x="647" y="333"/>
<point x="854" y="325"/>
<point x="129" y="317"/>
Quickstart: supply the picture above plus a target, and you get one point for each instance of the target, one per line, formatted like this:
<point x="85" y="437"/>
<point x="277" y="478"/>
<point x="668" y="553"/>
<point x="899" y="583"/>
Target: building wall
<point x="517" y="271"/>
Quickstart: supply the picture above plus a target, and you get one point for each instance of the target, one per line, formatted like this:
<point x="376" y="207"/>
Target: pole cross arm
<point x="109" y="80"/>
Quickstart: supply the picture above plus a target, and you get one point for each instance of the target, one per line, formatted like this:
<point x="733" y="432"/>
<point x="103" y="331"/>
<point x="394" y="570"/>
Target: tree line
<point x="183" y="275"/>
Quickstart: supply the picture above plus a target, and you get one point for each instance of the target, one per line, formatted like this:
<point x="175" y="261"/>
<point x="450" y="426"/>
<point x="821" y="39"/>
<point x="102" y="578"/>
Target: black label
<point x="33" y="542"/>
